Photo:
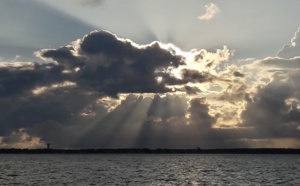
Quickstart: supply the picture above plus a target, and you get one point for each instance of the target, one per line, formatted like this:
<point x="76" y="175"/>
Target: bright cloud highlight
<point x="212" y="10"/>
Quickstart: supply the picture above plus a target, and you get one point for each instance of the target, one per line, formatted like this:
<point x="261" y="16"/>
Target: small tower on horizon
<point x="48" y="146"/>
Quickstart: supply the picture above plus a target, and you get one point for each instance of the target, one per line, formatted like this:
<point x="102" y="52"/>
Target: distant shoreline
<point x="153" y="151"/>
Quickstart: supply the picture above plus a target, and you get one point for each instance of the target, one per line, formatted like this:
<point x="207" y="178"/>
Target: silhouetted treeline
<point x="153" y="151"/>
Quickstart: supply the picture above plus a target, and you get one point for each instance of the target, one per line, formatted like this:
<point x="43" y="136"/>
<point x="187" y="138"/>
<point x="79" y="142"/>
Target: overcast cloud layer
<point x="104" y="91"/>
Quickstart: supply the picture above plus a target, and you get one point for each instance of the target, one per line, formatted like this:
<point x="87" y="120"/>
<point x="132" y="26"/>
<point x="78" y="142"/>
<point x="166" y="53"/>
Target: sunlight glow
<point x="111" y="104"/>
<point x="211" y="11"/>
<point x="21" y="139"/>
<point x="20" y="65"/>
<point x="43" y="89"/>
<point x="202" y="62"/>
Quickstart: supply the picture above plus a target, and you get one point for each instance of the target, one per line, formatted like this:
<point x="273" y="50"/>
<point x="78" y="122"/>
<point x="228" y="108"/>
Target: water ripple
<point x="145" y="169"/>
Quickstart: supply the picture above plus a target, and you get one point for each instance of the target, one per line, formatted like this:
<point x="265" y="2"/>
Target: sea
<point x="149" y="169"/>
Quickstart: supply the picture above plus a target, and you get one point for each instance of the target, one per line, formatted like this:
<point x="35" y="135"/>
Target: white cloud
<point x="211" y="11"/>
<point x="292" y="50"/>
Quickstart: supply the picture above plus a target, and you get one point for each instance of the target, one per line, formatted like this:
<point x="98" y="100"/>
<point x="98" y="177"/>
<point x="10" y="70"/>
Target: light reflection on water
<point x="147" y="169"/>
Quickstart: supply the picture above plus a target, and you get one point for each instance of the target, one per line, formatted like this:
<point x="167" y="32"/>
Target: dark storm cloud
<point x="63" y="102"/>
<point x="112" y="65"/>
<point x="55" y="116"/>
<point x="271" y="112"/>
<point x="37" y="98"/>
<point x="24" y="104"/>
<point x="109" y="44"/>
<point x="103" y="62"/>
<point x="63" y="55"/>
<point x="19" y="81"/>
<point x="60" y="118"/>
<point x="238" y="74"/>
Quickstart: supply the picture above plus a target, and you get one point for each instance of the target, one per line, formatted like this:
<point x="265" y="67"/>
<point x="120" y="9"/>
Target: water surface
<point x="149" y="169"/>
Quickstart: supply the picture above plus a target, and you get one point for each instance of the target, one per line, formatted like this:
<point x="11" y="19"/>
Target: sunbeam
<point x="117" y="135"/>
<point x="126" y="131"/>
<point x="118" y="127"/>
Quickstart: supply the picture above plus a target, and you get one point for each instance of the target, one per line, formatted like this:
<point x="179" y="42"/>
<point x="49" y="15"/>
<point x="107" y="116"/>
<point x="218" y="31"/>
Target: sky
<point x="149" y="74"/>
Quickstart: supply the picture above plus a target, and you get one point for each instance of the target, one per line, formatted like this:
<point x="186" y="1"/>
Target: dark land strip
<point x="153" y="151"/>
